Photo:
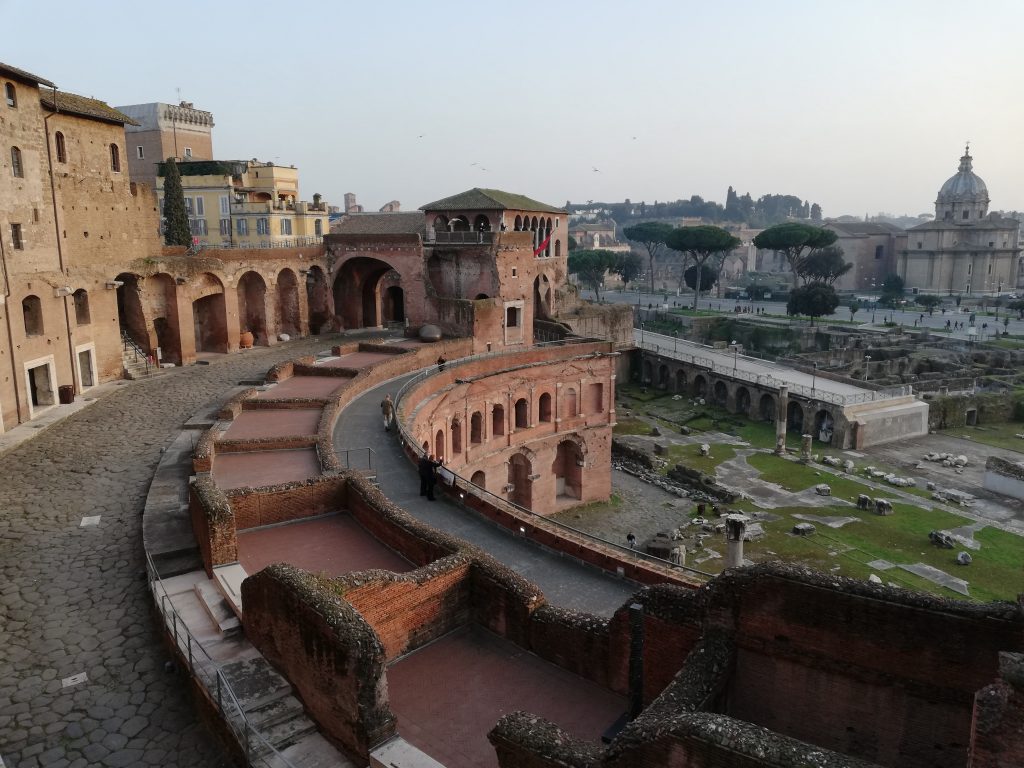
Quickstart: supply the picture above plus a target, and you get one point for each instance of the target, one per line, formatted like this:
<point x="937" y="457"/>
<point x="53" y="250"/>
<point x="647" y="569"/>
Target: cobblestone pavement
<point x="75" y="600"/>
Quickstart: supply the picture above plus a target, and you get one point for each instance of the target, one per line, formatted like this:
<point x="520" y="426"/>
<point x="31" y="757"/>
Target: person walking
<point x="441" y="363"/>
<point x="387" y="411"/>
<point x="428" y="478"/>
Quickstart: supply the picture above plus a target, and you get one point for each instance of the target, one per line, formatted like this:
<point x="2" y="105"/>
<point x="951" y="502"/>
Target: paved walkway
<point x="564" y="581"/>
<point x="74" y="600"/>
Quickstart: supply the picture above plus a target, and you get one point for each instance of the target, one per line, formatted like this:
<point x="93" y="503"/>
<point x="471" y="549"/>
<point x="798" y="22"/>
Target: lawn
<point x="689" y="455"/>
<point x="997" y="435"/>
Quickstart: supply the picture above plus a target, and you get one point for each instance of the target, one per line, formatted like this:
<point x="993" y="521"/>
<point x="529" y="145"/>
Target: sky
<point x="861" y="106"/>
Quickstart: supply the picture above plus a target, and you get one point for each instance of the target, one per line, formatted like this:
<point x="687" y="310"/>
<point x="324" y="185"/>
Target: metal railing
<point x="767" y="379"/>
<point x="459" y="238"/>
<point x="466" y="486"/>
<point x="207" y="672"/>
<point x="128" y="345"/>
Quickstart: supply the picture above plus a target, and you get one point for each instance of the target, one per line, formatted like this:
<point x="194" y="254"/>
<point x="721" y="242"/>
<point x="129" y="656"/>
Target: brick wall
<point x="409" y="610"/>
<point x="328" y="652"/>
<point x="997" y="728"/>
<point x="292" y="501"/>
<point x="212" y="523"/>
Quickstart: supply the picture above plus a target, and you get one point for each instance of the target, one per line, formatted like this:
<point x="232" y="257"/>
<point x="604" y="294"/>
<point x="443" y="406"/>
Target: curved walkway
<point x="75" y="600"/>
<point x="565" y="582"/>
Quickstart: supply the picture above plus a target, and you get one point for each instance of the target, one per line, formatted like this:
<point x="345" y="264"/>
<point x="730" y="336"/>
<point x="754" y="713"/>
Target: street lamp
<point x="735" y="354"/>
<point x="675" y="341"/>
<point x="814" y="377"/>
<point x="867" y="366"/>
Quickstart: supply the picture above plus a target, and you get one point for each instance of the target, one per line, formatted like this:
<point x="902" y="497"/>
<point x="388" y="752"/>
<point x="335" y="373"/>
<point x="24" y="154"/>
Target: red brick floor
<point x="304" y="386"/>
<point x="448" y="695"/>
<point x="335" y="544"/>
<point x="279" y="423"/>
<point x="262" y="468"/>
<point x="358" y="360"/>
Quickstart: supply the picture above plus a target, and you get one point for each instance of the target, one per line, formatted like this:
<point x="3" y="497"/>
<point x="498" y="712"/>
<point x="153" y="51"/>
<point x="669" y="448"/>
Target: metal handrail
<point x="129" y="344"/>
<point x="507" y="505"/>
<point x="216" y="685"/>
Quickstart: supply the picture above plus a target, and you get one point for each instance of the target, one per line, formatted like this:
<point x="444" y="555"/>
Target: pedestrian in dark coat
<point x="428" y="475"/>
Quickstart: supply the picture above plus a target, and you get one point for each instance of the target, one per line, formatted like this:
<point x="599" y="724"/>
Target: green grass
<point x="798" y="477"/>
<point x="997" y="435"/>
<point x="631" y="426"/>
<point x="689" y="455"/>
<point x="699" y="313"/>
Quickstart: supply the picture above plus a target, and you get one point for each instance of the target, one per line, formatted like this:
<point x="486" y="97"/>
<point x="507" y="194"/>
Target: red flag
<point x="543" y="246"/>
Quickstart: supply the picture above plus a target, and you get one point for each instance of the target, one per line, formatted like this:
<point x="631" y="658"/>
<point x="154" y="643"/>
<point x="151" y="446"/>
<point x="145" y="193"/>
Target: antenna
<point x="178" y="91"/>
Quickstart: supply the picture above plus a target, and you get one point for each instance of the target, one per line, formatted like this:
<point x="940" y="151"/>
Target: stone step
<point x="175" y="563"/>
<point x="255" y="682"/>
<point x="217" y="609"/>
<point x="274" y="712"/>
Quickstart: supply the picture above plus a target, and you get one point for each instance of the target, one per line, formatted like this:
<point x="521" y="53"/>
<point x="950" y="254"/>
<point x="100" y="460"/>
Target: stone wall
<point x="1005" y="477"/>
<point x="997" y="738"/>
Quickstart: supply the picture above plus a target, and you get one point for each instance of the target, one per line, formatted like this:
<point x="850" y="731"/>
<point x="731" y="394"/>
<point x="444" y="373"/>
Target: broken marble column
<point x="780" y="421"/>
<point x="735" y="528"/>
<point x="805" y="448"/>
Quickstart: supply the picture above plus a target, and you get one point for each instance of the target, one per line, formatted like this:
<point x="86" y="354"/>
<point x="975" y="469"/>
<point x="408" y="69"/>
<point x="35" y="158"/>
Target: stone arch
<point x="440" y="223"/>
<point x="81" y="301"/>
<point x="664" y="377"/>
<point x="459" y="224"/>
<point x="209" y="314"/>
<point x="700" y="385"/>
<point x="571" y="403"/>
<point x="32" y="311"/>
<point x="439" y="444"/>
<point x="544" y="407"/>
<point x="721" y="393"/>
<point x="766" y="407"/>
<point x="479" y="479"/>
<point x="252" y="307"/>
<point x="680" y="381"/>
<point x="316" y="300"/>
<point x="824" y="426"/>
<point x="568" y="471"/>
<point x="357" y="292"/>
<point x="519" y="223"/>
<point x="795" y="417"/>
<point x="498" y="420"/>
<point x="522" y="410"/>
<point x="743" y="401"/>
<point x="481" y="223"/>
<point x="520" y="480"/>
<point x="130" y="315"/>
<point x="287" y="306"/>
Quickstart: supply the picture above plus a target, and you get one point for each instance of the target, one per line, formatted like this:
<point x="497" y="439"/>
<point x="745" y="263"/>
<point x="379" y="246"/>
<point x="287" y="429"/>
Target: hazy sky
<point x="860" y="106"/>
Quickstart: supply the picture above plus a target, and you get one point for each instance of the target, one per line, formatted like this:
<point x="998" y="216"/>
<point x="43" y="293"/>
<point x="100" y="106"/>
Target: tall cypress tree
<point x="176" y="231"/>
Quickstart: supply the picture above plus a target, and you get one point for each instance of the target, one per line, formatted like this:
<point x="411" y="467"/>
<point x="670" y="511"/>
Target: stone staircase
<point x="133" y="360"/>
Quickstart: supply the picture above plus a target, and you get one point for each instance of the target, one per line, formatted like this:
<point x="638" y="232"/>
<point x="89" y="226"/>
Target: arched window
<point x="498" y="421"/>
<point x="456" y="436"/>
<point x="115" y="158"/>
<point x="16" y="165"/>
<point x="519" y="223"/>
<point x="476" y="427"/>
<point x="62" y="147"/>
<point x="318" y="227"/>
<point x="32" y="308"/>
<point x="570" y="402"/>
<point x="11" y="95"/>
<point x="522" y="413"/>
<point x="558" y="249"/>
<point x="544" y="407"/>
<point x="82" y="307"/>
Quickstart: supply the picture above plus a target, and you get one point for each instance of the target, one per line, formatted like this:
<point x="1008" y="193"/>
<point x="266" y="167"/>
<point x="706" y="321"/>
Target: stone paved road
<point x="75" y="600"/>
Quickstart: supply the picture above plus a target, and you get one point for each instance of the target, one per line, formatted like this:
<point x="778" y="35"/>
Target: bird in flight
<point x="597" y="170"/>
<point x="475" y="163"/>
<point x="421" y="136"/>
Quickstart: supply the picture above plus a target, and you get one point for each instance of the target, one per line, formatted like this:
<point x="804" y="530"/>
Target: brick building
<point x="158" y="131"/>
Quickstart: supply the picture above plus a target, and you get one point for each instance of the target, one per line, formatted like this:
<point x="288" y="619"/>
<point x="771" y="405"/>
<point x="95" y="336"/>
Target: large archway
<point x="766" y="407"/>
<point x="130" y="316"/>
<point x="287" y="306"/>
<point x="316" y="299"/>
<point x="568" y="471"/>
<point x="743" y="401"/>
<point x="209" y="314"/>
<point x="824" y="427"/>
<point x="394" y="304"/>
<point x="252" y="307"/>
<point x="520" y="469"/>
<point x="357" y="292"/>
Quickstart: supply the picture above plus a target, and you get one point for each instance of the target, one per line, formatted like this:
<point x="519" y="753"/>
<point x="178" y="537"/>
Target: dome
<point x="965" y="187"/>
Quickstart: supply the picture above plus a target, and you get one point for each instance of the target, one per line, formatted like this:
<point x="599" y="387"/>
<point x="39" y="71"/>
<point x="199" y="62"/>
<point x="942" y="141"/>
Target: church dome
<point x="965" y="187"/>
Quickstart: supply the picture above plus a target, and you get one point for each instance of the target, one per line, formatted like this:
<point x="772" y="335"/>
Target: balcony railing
<point x="459" y="238"/>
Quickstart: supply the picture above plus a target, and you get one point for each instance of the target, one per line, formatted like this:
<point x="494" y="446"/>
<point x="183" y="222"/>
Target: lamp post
<point x="867" y="366"/>
<point x="735" y="354"/>
<point x="814" y="378"/>
<point x="675" y="341"/>
<point x="641" y="354"/>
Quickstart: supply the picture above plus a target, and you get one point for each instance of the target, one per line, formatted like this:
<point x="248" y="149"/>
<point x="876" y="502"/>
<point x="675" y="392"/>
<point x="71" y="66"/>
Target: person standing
<point x="387" y="410"/>
<point x="428" y="475"/>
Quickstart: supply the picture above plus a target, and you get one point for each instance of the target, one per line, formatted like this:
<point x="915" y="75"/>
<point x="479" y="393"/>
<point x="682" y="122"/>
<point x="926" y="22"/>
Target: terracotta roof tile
<point x="81" y="105"/>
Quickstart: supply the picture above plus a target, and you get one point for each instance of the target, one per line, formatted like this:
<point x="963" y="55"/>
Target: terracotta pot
<point x="245" y="340"/>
